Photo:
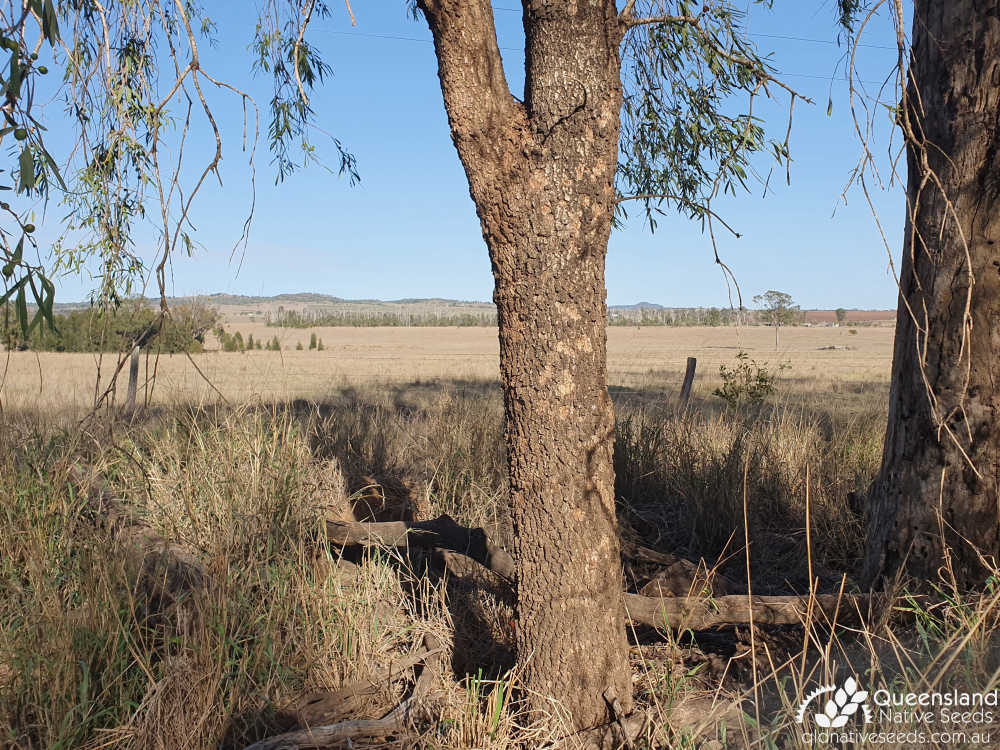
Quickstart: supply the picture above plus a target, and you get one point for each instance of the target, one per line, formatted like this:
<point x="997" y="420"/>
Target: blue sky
<point x="410" y="229"/>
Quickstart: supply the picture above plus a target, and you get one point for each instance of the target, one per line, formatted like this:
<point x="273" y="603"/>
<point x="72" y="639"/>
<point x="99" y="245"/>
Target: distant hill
<point x="638" y="306"/>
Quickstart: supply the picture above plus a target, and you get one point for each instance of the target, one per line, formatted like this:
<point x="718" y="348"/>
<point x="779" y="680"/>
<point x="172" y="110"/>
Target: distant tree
<point x="841" y="315"/>
<point x="319" y="346"/>
<point x="259" y="345"/>
<point x="299" y="347"/>
<point x="249" y="341"/>
<point x="777" y="310"/>
<point x="238" y="342"/>
<point x="275" y="345"/>
<point x="133" y="323"/>
<point x="312" y="341"/>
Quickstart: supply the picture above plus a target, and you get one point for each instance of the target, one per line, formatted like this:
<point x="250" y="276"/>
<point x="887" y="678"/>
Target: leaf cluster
<point x="133" y="86"/>
<point x="683" y="141"/>
<point x="296" y="67"/>
<point x="24" y="29"/>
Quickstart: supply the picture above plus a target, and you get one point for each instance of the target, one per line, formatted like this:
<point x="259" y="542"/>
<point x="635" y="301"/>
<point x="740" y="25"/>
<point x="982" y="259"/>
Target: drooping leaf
<point x="15" y="77"/>
<point x="54" y="167"/>
<point x="50" y="23"/>
<point x="48" y="298"/>
<point x="12" y="291"/>
<point x="27" y="173"/>
<point x="21" y="305"/>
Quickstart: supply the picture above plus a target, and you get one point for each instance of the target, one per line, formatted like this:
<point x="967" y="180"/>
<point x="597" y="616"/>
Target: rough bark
<point x="941" y="458"/>
<point x="541" y="174"/>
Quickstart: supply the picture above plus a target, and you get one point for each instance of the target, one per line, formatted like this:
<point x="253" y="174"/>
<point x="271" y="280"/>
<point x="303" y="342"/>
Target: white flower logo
<point x="838" y="709"/>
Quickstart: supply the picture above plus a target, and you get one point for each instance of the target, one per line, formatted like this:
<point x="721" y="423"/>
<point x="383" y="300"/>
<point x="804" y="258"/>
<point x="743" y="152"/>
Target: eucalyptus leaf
<point x="12" y="291"/>
<point x="21" y="305"/>
<point x="27" y="166"/>
<point x="50" y="23"/>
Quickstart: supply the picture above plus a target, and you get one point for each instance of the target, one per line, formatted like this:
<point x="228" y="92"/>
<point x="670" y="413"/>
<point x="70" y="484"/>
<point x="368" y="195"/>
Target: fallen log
<point x="439" y="533"/>
<point x="396" y="721"/>
<point x="697" y="613"/>
<point x="320" y="707"/>
<point x="330" y="735"/>
<point x="673" y="612"/>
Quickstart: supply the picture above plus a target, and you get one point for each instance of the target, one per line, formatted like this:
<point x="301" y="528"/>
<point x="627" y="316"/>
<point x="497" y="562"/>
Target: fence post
<point x="688" y="381"/>
<point x="133" y="378"/>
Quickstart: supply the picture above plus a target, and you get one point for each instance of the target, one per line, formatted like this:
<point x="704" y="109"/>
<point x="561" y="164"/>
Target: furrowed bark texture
<point x="541" y="174"/>
<point x="953" y="106"/>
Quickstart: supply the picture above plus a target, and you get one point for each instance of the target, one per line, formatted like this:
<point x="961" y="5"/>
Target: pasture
<point x="648" y="360"/>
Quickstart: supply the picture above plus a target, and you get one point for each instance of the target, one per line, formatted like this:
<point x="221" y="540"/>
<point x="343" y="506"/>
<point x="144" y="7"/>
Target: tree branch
<point x="669" y="196"/>
<point x="629" y="22"/>
<point x="477" y="97"/>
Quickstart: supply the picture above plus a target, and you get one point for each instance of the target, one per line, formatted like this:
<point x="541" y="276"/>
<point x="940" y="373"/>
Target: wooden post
<point x="688" y="381"/>
<point x="133" y="378"/>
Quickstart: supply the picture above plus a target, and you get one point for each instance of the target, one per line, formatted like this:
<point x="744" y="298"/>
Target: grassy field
<point x="638" y="359"/>
<point x="166" y="579"/>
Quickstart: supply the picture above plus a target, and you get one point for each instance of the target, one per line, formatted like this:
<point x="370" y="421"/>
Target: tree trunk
<point x="541" y="175"/>
<point x="941" y="459"/>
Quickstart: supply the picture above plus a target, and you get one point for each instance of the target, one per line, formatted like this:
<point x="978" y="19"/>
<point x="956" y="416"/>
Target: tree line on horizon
<point x="133" y="323"/>
<point x="639" y="316"/>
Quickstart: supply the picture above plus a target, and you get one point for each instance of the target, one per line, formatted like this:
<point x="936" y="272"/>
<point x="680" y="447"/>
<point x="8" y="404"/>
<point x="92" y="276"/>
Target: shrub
<point x="227" y="341"/>
<point x="746" y="382"/>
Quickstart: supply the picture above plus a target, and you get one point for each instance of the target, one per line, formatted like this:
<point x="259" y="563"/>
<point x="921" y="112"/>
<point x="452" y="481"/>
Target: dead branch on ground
<point x="673" y="612"/>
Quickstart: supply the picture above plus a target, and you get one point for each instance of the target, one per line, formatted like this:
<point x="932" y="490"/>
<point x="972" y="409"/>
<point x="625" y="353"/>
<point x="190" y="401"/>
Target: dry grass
<point x="101" y="649"/>
<point x="644" y="359"/>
